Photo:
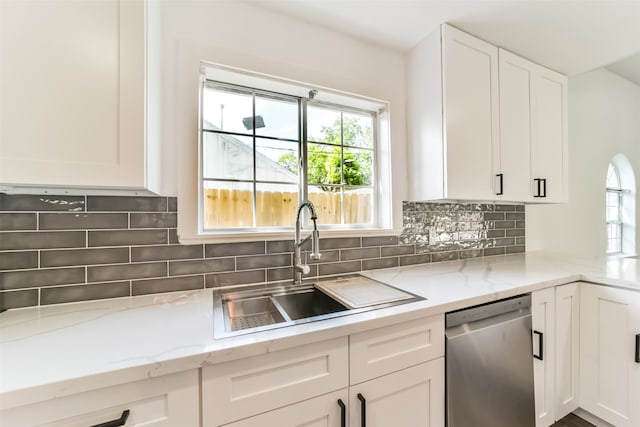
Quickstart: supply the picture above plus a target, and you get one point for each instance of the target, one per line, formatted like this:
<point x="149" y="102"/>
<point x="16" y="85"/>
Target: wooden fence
<point x="234" y="208"/>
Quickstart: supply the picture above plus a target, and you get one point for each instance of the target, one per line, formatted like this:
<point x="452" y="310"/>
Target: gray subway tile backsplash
<point x="37" y="278"/>
<point x="154" y="220"/>
<point x="235" y="278"/>
<point x="351" y="254"/>
<point x="234" y="249"/>
<point x="60" y="249"/>
<point x="69" y="257"/>
<point x="82" y="221"/>
<point x="38" y="203"/>
<point x="42" y="240"/>
<point x="172" y="284"/>
<point x="127" y="237"/>
<point x="127" y="204"/>
<point x="215" y="265"/>
<point x="126" y="271"/>
<point x="94" y="291"/>
<point x="18" y="299"/>
<point x="166" y="252"/>
<point x="18" y="260"/>
<point x="18" y="221"/>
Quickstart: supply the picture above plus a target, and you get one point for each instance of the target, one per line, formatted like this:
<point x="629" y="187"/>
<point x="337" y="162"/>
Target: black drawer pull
<point x="501" y="191"/>
<point x="115" y="423"/>
<point x="363" y="410"/>
<point x="637" y="348"/>
<point x="343" y="413"/>
<point x="540" y="355"/>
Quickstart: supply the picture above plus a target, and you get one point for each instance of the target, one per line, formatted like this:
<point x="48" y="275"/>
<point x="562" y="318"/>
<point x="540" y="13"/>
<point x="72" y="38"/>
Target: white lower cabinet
<point x="409" y="398"/>
<point x="567" y="363"/>
<point x="543" y="325"/>
<point x="168" y="401"/>
<point x="610" y="354"/>
<point x="393" y="374"/>
<point x="555" y="329"/>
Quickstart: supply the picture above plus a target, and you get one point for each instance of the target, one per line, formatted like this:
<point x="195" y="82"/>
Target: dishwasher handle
<point x="540" y="355"/>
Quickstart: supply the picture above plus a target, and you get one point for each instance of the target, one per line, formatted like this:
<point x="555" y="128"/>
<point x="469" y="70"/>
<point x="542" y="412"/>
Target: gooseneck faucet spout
<point x="298" y="267"/>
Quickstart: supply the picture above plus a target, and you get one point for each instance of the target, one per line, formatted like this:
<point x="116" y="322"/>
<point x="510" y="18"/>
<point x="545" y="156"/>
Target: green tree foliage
<point x="325" y="162"/>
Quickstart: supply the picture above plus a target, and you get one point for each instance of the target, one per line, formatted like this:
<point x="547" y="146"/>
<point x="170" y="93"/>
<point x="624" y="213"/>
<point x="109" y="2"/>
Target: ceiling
<point x="571" y="37"/>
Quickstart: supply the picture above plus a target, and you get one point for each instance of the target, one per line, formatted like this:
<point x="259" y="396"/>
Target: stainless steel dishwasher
<point x="489" y="358"/>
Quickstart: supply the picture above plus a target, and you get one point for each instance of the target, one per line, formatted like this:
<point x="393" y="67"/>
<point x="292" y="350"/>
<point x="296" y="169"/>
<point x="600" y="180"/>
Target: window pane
<point x="613" y="180"/>
<point x="324" y="164"/>
<point x="227" y="157"/>
<point x="358" y="167"/>
<point x="323" y="125"/>
<point x="328" y="202"/>
<point x="276" y="160"/>
<point x="276" y="205"/>
<point x="224" y="110"/>
<point x="227" y="205"/>
<point x="357" y="130"/>
<point x="280" y="118"/>
<point x="358" y="205"/>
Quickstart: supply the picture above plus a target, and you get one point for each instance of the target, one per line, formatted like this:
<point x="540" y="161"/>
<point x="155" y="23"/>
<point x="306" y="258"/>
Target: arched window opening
<point x="620" y="207"/>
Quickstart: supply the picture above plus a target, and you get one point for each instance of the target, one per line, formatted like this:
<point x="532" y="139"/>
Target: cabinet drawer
<point x="168" y="401"/>
<point x="257" y="384"/>
<point x="320" y="411"/>
<point x="389" y="349"/>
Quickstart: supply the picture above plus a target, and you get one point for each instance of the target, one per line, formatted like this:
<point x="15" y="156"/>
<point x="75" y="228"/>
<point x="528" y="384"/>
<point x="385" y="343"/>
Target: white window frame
<point x="382" y="215"/>
<point x="615" y="223"/>
<point x="626" y="192"/>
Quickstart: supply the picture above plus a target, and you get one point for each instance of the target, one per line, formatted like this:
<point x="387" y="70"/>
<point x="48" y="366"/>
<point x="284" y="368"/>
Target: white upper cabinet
<point x="533" y="131"/>
<point x="484" y="124"/>
<point x="453" y="117"/>
<point x="73" y="85"/>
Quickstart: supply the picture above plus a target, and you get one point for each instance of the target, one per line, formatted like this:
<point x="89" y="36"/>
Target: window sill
<point x="285" y="235"/>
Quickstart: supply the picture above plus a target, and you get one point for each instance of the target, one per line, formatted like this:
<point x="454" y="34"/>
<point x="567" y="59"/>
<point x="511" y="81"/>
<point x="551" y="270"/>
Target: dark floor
<point x="572" y="421"/>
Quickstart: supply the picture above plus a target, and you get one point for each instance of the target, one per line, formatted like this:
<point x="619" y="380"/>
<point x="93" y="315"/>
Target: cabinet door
<point x="515" y="126"/>
<point x="549" y="153"/>
<point x="470" y="100"/>
<point x="567" y="360"/>
<point x="167" y="401"/>
<point x="609" y="374"/>
<point x="543" y="320"/>
<point x="328" y="410"/>
<point x="72" y="104"/>
<point x="409" y="398"/>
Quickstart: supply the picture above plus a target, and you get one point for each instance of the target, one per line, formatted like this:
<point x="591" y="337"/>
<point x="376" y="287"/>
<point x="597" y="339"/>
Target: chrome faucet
<point x="298" y="267"/>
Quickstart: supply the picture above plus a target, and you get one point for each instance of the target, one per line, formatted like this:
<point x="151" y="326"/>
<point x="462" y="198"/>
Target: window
<point x="263" y="151"/>
<point x="620" y="207"/>
<point x="614" y="211"/>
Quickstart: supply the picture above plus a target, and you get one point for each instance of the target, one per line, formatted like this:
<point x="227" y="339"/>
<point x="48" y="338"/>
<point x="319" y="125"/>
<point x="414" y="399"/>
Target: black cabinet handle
<point x="501" y="178"/>
<point x="343" y="413"/>
<point x="637" y="348"/>
<point x="115" y="423"/>
<point x="540" y="355"/>
<point x="363" y="410"/>
<point x="541" y="184"/>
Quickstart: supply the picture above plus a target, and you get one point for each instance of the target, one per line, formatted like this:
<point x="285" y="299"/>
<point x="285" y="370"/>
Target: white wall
<point x="604" y="120"/>
<point x="249" y="37"/>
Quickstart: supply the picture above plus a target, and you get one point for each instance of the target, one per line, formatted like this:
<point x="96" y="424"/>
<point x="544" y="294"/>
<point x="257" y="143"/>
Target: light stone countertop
<point x="55" y="351"/>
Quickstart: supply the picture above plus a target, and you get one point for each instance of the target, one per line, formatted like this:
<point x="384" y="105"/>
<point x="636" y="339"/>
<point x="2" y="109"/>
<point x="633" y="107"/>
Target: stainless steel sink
<point x="248" y="311"/>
